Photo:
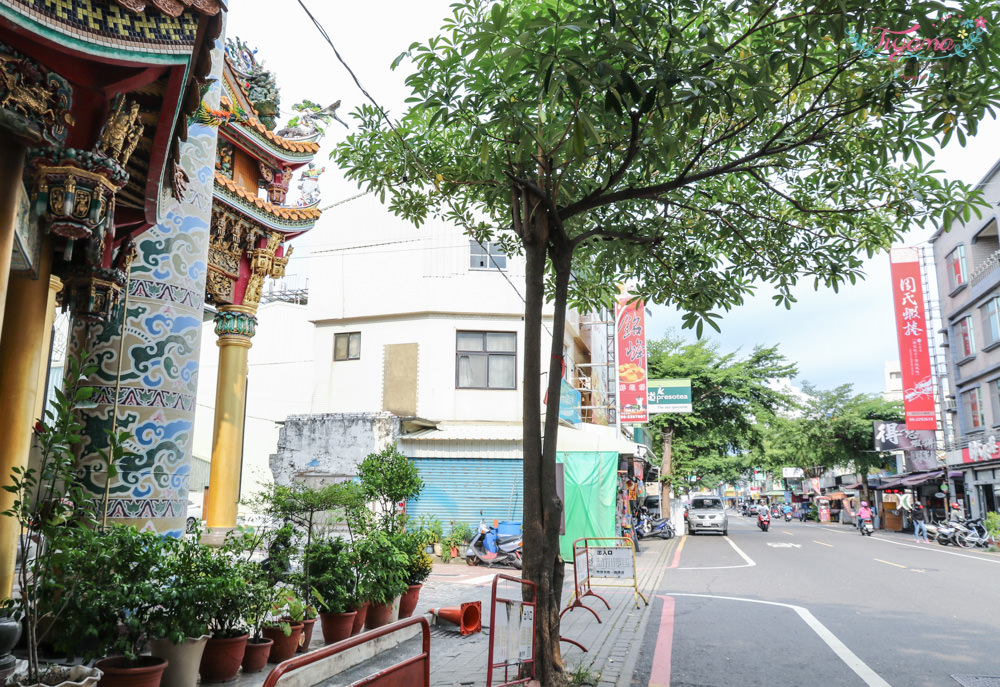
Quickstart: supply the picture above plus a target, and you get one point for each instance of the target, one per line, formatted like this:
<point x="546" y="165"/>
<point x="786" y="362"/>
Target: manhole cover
<point x="977" y="680"/>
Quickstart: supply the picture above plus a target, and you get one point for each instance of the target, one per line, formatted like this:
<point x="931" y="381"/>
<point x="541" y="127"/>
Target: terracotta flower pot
<point x="336" y="626"/>
<point x="256" y="655"/>
<point x="359" y="619"/>
<point x="379" y="615"/>
<point x="145" y="671"/>
<point x="408" y="601"/>
<point x="284" y="646"/>
<point x="307" y="633"/>
<point x="222" y="658"/>
<point x="183" y="660"/>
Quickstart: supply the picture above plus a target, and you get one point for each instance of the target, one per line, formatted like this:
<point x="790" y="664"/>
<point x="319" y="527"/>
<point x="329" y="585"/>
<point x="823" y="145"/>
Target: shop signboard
<point x="630" y="354"/>
<point x="669" y="396"/>
<point x="569" y="403"/>
<point x="892" y="436"/>
<point x="911" y="333"/>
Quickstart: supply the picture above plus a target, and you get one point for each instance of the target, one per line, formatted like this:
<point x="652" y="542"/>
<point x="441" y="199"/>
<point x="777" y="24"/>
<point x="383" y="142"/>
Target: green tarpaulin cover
<point x="589" y="484"/>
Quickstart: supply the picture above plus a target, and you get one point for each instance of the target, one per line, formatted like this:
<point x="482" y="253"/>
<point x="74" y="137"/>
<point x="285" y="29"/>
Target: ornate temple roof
<point x="292" y="220"/>
<point x="284" y="149"/>
<point x="175" y="8"/>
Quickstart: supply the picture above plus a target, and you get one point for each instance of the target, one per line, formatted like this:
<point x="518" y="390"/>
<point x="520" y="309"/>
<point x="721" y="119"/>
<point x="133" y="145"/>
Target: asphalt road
<point x="810" y="604"/>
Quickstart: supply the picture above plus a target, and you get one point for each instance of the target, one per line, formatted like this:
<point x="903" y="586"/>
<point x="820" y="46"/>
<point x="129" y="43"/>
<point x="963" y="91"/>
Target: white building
<point x="413" y="336"/>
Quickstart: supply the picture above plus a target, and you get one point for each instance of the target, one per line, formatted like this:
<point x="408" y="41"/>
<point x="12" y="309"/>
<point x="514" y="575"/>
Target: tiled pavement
<point x="458" y="660"/>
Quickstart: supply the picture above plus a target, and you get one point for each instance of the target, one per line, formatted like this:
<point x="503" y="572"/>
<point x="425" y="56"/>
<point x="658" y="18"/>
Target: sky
<point x="834" y="338"/>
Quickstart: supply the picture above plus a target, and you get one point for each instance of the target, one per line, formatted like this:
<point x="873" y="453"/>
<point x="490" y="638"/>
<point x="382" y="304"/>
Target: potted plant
<point x="383" y="575"/>
<point x="182" y="616"/>
<point x="284" y="624"/>
<point x="46" y="503"/>
<point x="431" y="532"/>
<point x="229" y="586"/>
<point x="418" y="567"/>
<point x="334" y="581"/>
<point x="115" y="607"/>
<point x="260" y="596"/>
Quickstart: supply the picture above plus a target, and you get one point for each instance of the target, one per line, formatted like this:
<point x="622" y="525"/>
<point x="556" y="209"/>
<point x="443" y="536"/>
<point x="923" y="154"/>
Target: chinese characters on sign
<point x="911" y="331"/>
<point x="918" y="444"/>
<point x="630" y="342"/>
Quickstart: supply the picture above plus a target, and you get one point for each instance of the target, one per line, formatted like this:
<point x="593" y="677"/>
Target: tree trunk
<point x="542" y="506"/>
<point x="666" y="465"/>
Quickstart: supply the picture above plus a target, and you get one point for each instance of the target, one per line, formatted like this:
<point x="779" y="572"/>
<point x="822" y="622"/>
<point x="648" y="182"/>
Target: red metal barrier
<point x="514" y="624"/>
<point x="412" y="672"/>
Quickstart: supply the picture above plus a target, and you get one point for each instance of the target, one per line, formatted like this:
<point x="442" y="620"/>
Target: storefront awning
<point x="922" y="478"/>
<point x="587" y="437"/>
<point x="834" y="496"/>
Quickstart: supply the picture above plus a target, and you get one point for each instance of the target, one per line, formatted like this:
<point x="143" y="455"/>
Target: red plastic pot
<point x="256" y="655"/>
<point x="284" y="645"/>
<point x="337" y="626"/>
<point x="145" y="671"/>
<point x="408" y="601"/>
<point x="222" y="658"/>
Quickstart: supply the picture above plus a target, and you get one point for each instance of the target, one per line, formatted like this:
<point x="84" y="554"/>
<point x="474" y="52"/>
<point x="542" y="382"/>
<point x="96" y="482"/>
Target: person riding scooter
<point x="763" y="518"/>
<point x="864" y="513"/>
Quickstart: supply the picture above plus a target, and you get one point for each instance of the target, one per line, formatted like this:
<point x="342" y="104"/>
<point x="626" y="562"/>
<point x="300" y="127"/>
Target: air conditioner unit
<point x="949" y="405"/>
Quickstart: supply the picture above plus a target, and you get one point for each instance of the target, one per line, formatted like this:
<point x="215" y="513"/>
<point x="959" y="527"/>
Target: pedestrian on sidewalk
<point x="919" y="522"/>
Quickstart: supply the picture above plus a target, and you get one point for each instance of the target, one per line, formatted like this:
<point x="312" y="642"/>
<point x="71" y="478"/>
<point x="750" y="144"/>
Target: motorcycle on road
<point x="763" y="520"/>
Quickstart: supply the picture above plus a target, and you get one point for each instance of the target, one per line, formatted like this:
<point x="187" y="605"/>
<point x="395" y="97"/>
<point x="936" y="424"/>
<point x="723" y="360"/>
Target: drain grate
<point x="977" y="680"/>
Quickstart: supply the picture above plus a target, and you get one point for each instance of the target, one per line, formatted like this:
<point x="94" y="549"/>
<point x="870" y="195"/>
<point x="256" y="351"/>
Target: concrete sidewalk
<point x="610" y="656"/>
<point x="458" y="660"/>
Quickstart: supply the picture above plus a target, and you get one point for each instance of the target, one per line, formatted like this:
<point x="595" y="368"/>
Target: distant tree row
<point x="743" y="420"/>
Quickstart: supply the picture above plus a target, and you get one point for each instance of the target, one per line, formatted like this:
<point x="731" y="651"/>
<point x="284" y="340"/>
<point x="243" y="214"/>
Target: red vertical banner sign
<point x="911" y="331"/>
<point x="630" y="344"/>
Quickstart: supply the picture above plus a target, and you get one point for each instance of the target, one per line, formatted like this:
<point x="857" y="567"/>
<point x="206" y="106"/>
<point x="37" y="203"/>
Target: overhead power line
<point x="409" y="151"/>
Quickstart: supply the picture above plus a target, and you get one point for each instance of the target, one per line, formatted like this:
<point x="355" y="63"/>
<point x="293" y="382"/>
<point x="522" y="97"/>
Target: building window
<point x="994" y="388"/>
<point x="966" y="341"/>
<point x="991" y="321"/>
<point x="486" y="256"/>
<point x="347" y="346"/>
<point x="957" y="276"/>
<point x="486" y="360"/>
<point x="972" y="404"/>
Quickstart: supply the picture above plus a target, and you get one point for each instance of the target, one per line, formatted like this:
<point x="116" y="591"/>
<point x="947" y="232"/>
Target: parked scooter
<point x="970" y="533"/>
<point x="763" y="520"/>
<point x="494" y="548"/>
<point x="648" y="527"/>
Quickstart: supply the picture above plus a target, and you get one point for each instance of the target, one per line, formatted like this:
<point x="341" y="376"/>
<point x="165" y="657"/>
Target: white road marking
<point x="784" y="545"/>
<point x="749" y="561"/>
<point x="871" y="678"/>
<point x="485" y="579"/>
<point x="925" y="547"/>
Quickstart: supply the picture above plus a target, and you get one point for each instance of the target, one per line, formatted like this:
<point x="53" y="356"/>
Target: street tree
<point x="731" y="396"/>
<point x="695" y="150"/>
<point x="834" y="429"/>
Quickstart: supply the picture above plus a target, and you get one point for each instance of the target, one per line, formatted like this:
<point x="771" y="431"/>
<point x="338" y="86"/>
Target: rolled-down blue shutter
<point x="457" y="489"/>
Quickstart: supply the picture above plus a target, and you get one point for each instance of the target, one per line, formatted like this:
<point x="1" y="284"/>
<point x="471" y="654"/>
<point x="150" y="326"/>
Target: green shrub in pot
<point x="382" y="568"/>
<point x="334" y="575"/>
<point x="115" y="611"/>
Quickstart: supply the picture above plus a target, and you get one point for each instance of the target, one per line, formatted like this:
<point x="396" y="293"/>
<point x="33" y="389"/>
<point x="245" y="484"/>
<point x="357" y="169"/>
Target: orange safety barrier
<point x="411" y="672"/>
<point x="604" y="562"/>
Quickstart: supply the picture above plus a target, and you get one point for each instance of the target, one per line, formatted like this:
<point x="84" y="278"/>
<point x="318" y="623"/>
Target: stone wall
<point x="318" y="449"/>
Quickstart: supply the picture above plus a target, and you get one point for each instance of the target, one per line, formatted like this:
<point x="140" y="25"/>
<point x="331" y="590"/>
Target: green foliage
<point x="116" y="610"/>
<point x="993" y="524"/>
<point x="48" y="503"/>
<point x="430" y="528"/>
<point x="188" y="589"/>
<point x="382" y="568"/>
<point x="389" y="478"/>
<point x="303" y="509"/>
<point x="334" y="576"/>
<point x="835" y="428"/>
<point x="731" y="396"/>
<point x="419" y="564"/>
<point x="259" y="597"/>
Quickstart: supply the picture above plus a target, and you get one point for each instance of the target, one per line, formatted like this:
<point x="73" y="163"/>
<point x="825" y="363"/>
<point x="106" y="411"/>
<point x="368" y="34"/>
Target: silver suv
<point x="707" y="514"/>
